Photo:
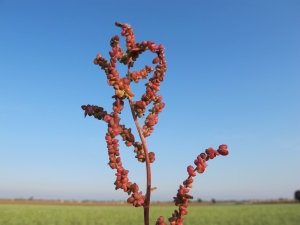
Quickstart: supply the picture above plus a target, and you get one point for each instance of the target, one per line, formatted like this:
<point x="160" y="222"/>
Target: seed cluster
<point x="123" y="91"/>
<point x="182" y="196"/>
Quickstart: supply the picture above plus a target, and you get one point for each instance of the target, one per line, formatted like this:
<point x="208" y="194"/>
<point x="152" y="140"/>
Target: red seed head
<point x="223" y="150"/>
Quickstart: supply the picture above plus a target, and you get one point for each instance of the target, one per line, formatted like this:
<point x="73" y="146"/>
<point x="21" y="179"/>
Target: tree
<point x="297" y="195"/>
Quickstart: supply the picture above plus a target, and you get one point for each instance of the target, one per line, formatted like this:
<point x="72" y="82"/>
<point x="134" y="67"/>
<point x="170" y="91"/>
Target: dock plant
<point x="150" y="99"/>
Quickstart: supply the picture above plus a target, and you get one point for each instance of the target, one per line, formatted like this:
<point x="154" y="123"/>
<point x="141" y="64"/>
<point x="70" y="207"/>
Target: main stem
<point x="148" y="167"/>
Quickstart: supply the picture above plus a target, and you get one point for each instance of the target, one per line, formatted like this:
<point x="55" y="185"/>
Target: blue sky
<point x="233" y="77"/>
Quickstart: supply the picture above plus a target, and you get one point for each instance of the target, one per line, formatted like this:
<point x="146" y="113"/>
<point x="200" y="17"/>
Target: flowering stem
<point x="148" y="167"/>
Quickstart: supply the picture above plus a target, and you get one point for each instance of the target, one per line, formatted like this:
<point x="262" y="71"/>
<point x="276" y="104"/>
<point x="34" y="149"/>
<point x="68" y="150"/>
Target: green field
<point x="263" y="214"/>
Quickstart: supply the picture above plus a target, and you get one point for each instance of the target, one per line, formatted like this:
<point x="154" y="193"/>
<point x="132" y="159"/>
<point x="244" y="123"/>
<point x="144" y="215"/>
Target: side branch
<point x="182" y="196"/>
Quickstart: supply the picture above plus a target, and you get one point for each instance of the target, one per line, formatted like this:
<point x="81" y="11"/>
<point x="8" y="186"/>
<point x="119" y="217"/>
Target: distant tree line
<point x="297" y="195"/>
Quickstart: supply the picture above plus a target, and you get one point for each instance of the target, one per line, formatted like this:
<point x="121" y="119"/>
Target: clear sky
<point x="233" y="77"/>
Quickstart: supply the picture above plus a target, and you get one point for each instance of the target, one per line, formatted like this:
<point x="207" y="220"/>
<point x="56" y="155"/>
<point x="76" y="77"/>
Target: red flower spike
<point x="223" y="146"/>
<point x="114" y="163"/>
<point x="122" y="91"/>
<point x="115" y="141"/>
<point x="160" y="221"/>
<point x="156" y="60"/>
<point x="200" y="163"/>
<point x="136" y="199"/>
<point x="107" y="118"/>
<point x="120" y="169"/>
<point x="151" y="157"/>
<point x="182" y="190"/>
<point x="200" y="169"/>
<point x="183" y="212"/>
<point x="190" y="170"/>
<point x="211" y="152"/>
<point x="188" y="183"/>
<point x="223" y="150"/>
<point x="175" y="219"/>
<point x="124" y="180"/>
<point x="202" y="156"/>
<point x="134" y="187"/>
<point x="158" y="99"/>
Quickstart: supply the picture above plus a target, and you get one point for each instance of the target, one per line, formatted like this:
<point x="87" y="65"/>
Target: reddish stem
<point x="148" y="167"/>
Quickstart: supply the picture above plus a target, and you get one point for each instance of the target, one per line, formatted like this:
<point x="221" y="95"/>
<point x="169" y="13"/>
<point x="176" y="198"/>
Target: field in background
<point x="218" y="214"/>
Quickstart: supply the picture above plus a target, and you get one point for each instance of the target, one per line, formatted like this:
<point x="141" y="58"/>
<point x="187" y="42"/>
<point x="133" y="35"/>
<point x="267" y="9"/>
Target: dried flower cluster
<point x="182" y="196"/>
<point x="123" y="91"/>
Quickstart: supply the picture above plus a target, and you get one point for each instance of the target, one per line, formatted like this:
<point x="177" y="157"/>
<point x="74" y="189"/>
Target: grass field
<point x="261" y="214"/>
